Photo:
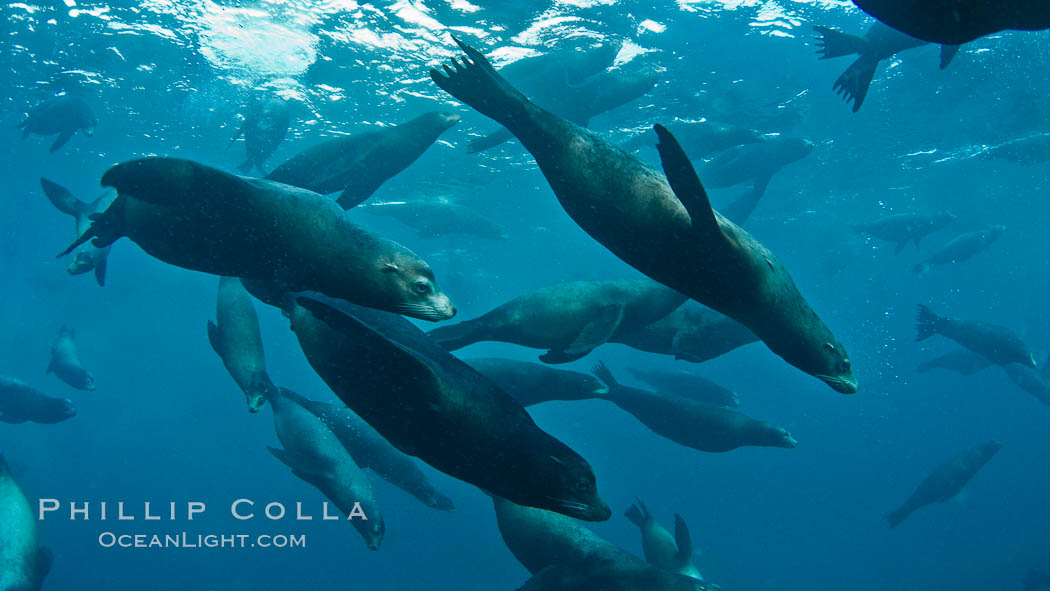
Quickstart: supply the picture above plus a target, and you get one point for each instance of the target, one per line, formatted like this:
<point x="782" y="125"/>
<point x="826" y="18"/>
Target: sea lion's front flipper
<point x="306" y="467"/>
<point x="480" y="144"/>
<point x="900" y="246"/>
<point x="61" y="140"/>
<point x="683" y="540"/>
<point x="834" y="43"/>
<point x="61" y="198"/>
<point x="355" y="195"/>
<point x="947" y="53"/>
<point x="742" y="207"/>
<point x="686" y="185"/>
<point x="100" y="270"/>
<point x="593" y="334"/>
<point x="215" y="338"/>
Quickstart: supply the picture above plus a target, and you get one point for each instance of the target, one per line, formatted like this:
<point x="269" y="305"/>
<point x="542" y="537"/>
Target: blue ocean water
<point x="166" y="422"/>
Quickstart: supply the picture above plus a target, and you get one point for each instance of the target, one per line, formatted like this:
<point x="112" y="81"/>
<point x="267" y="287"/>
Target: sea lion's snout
<point x="842" y="384"/>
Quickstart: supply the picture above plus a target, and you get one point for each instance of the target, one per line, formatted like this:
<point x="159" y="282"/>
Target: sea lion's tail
<point x="473" y="80"/>
<point x="105" y="228"/>
<point x="853" y="84"/>
<point x="638" y="513"/>
<point x="926" y="324"/>
<point x="62" y="199"/>
<point x="834" y="43"/>
<point x="899" y="515"/>
<point x="602" y="372"/>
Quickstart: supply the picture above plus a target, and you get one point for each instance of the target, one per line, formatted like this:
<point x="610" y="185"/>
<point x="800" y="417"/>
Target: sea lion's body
<point x="23" y="564"/>
<point x="902" y="228"/>
<point x="65" y="361"/>
<point x="533" y="383"/>
<point x="1033" y="149"/>
<point x="236" y="339"/>
<point x="358" y="164"/>
<point x="754" y="162"/>
<point x="673" y="236"/>
<point x="691" y="333"/>
<point x="20" y="402"/>
<point x="86" y="257"/>
<point x="433" y="219"/>
<point x="997" y="343"/>
<point x="263" y="129"/>
<point x="62" y="115"/>
<point x="672" y="553"/>
<point x="687" y="385"/>
<point x="961" y="248"/>
<point x="703" y="138"/>
<point x="962" y="361"/>
<point x="958" y="21"/>
<point x="601" y="573"/>
<point x="946" y="481"/>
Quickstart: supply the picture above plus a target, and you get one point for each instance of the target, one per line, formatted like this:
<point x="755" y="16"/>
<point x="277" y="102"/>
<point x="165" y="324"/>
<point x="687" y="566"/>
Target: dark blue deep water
<point x="167" y="423"/>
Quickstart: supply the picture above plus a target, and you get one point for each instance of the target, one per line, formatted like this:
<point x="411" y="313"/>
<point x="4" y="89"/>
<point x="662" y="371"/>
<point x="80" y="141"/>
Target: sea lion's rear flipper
<point x="947" y="53"/>
<point x="686" y="185"/>
<point x="355" y="195"/>
<point x="634" y="515"/>
<point x="215" y="338"/>
<point x="853" y="84"/>
<point x="683" y="540"/>
<point x="42" y="566"/>
<point x="926" y="323"/>
<point x="62" y="199"/>
<point x="834" y="43"/>
<point x="480" y="144"/>
<point x="100" y="270"/>
<point x="475" y="82"/>
<point x="602" y="372"/>
<point x="61" y="140"/>
<point x="742" y="207"/>
<point x="900" y="246"/>
<point x="593" y="334"/>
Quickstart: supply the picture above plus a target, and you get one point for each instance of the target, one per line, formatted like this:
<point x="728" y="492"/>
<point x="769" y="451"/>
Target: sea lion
<point x="879" y="43"/>
<point x="601" y="573"/>
<point x="65" y="361"/>
<point x="958" y="21"/>
<point x="754" y="162"/>
<point x="701" y="138"/>
<point x="568" y="319"/>
<point x="433" y="219"/>
<point x="1032" y="381"/>
<point x="315" y="455"/>
<point x="534" y="383"/>
<point x="430" y="405"/>
<point x="86" y="257"/>
<point x="1033" y="149"/>
<point x="671" y="235"/>
<point x="946" y="481"/>
<point x="661" y="549"/>
<point x="902" y="228"/>
<point x="23" y="564"/>
<point x="687" y="385"/>
<point x="961" y="248"/>
<point x="371" y="451"/>
<point x="200" y="218"/>
<point x="998" y="343"/>
<point x="64" y="115"/>
<point x="20" y="402"/>
<point x="570" y="66"/>
<point x="263" y="129"/>
<point x="235" y="338"/>
<point x="691" y="333"/>
<point x="962" y="361"/>
<point x="358" y="164"/>
<point x="703" y="427"/>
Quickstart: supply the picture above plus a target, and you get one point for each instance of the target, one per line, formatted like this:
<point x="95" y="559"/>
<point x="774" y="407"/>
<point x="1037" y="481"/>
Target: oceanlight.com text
<point x="193" y="541"/>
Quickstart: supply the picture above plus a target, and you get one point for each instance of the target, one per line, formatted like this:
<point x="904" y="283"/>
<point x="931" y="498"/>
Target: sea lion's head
<point x="833" y="366"/>
<point x="436" y="500"/>
<point x="779" y="437"/>
<point x="372" y="531"/>
<point x="412" y="282"/>
<point x="570" y="486"/>
<point x="62" y="409"/>
<point x="439" y="120"/>
<point x="82" y="263"/>
<point x="88" y="123"/>
<point x="992" y="233"/>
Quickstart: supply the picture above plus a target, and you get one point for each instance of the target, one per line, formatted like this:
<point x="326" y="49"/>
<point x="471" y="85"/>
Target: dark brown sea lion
<point x="958" y="21"/>
<point x="946" y="481"/>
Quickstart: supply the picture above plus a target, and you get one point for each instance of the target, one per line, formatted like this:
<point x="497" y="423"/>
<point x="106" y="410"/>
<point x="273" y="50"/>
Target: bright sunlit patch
<point x="255" y="41"/>
<point x="652" y="26"/>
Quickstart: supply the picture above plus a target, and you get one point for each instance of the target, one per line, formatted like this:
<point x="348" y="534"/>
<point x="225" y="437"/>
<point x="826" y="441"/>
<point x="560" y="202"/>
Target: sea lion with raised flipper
<point x="568" y="319"/>
<point x="958" y="21"/>
<point x="201" y="218"/>
<point x="371" y="451"/>
<point x="687" y="385"/>
<point x="997" y="343"/>
<point x="263" y="129"/>
<point x="65" y="361"/>
<point x="962" y="361"/>
<point x="703" y="427"/>
<point x="534" y="383"/>
<point x="692" y="333"/>
<point x="358" y="164"/>
<point x="63" y="115"/>
<point x="436" y="218"/>
<point x="961" y="248"/>
<point x="879" y="43"/>
<point x="20" y="402"/>
<point x="946" y="481"/>
<point x="315" y="455"/>
<point x="86" y="257"/>
<point x="670" y="552"/>
<point x="235" y="338"/>
<point x="23" y="563"/>
<point x="902" y="228"/>
<point x="602" y="573"/>
<point x="430" y="405"/>
<point x="661" y="224"/>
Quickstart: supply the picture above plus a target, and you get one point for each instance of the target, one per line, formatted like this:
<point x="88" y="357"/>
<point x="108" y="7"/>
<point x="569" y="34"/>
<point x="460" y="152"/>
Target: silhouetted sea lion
<point x="358" y="164"/>
<point x="315" y="455"/>
<point x="687" y="385"/>
<point x="568" y="319"/>
<point x="963" y="361"/>
<point x="673" y="236"/>
<point x="23" y="564"/>
<point x="879" y="43"/>
<point x="432" y="219"/>
<point x="902" y="228"/>
<point x="662" y="550"/>
<point x="433" y="406"/>
<point x="20" y="402"/>
<point x="63" y="115"/>
<point x="65" y="361"/>
<point x="532" y="383"/>
<point x="691" y="333"/>
<point x="998" y="343"/>
<point x="86" y="257"/>
<point x="958" y="21"/>
<point x="200" y="218"/>
<point x="236" y="340"/>
<point x="263" y="129"/>
<point x="703" y="427"/>
<point x="946" y="481"/>
<point x="961" y="248"/>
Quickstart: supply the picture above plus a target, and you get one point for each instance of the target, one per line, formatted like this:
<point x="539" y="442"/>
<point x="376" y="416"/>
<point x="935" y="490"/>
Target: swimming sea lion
<point x="958" y="21"/>
<point x="879" y="43"/>
<point x="998" y="343"/>
<point x="1033" y="149"/>
<point x="371" y="451"/>
<point x="358" y="164"/>
<point x="946" y="481"/>
<point x="962" y="361"/>
<point x="23" y="564"/>
<point x="236" y="340"/>
<point x="754" y="162"/>
<point x="903" y="228"/>
<point x="568" y="319"/>
<point x="63" y="115"/>
<point x="662" y="550"/>
<point x="86" y="257"/>
<point x="20" y="402"/>
<point x="961" y="248"/>
<point x="703" y="427"/>
<point x="201" y="218"/>
<point x="534" y="383"/>
<point x="702" y="138"/>
<point x="263" y="129"/>
<point x="691" y="333"/>
<point x="315" y="455"/>
<point x="432" y="219"/>
<point x="601" y="573"/>
<point x="671" y="235"/>
<point x="687" y="385"/>
<point x="433" y="406"/>
<point x="65" y="361"/>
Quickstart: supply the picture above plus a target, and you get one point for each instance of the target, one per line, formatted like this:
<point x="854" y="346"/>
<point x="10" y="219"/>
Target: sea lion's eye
<point x="422" y="287"/>
<point x="829" y="346"/>
<point x="581" y="485"/>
